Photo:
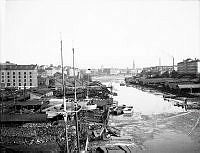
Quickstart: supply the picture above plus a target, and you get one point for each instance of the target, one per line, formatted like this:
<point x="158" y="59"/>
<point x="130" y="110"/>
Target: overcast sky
<point x="111" y="33"/>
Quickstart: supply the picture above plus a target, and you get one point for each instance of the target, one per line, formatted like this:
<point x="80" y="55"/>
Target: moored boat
<point x="128" y="111"/>
<point x="122" y="84"/>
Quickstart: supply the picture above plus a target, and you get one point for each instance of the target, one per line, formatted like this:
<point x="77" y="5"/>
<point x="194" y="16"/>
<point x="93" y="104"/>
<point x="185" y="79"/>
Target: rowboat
<point x="128" y="111"/>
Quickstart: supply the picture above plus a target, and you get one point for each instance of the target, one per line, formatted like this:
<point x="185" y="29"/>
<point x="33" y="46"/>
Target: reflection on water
<point x="144" y="102"/>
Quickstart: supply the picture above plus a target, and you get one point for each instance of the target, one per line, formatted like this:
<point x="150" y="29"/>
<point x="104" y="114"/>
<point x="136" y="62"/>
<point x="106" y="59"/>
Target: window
<point x="8" y="73"/>
<point x="19" y="80"/>
<point x="8" y="84"/>
<point x="25" y="76"/>
<point x="2" y="73"/>
<point x="13" y="80"/>
<point x="8" y="76"/>
<point x="30" y="73"/>
<point x="13" y="76"/>
<point x="8" y="80"/>
<point x="20" y="84"/>
<point x="13" y="84"/>
<point x="13" y="73"/>
<point x="30" y="80"/>
<point x="24" y="73"/>
<point x="24" y="84"/>
<point x="24" y="80"/>
<point x="19" y="73"/>
<point x="30" y="76"/>
<point x="2" y="76"/>
<point x="19" y="76"/>
<point x="2" y="80"/>
<point x="30" y="84"/>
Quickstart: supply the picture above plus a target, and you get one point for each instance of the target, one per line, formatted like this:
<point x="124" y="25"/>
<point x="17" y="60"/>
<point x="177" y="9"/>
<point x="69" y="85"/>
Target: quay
<point x="173" y="89"/>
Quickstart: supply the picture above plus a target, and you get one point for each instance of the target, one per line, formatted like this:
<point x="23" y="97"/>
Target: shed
<point x="191" y="87"/>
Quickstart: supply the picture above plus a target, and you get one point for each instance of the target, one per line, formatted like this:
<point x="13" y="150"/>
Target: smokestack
<point x="159" y="61"/>
<point x="133" y="65"/>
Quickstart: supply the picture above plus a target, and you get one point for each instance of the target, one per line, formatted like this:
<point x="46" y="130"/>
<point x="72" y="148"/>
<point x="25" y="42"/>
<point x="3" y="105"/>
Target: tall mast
<point x="63" y="77"/>
<point x="64" y="103"/>
<point x="76" y="113"/>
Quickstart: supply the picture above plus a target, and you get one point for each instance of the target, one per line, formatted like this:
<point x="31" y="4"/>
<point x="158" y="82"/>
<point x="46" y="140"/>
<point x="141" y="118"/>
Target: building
<point x="157" y="70"/>
<point x="13" y="75"/>
<point x="75" y="71"/>
<point x="114" y="71"/>
<point x="50" y="71"/>
<point x="41" y="93"/>
<point x="189" y="66"/>
<point x="111" y="71"/>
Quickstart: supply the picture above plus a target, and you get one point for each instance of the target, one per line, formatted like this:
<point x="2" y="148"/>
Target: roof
<point x="184" y="86"/>
<point x="29" y="103"/>
<point x="23" y="117"/>
<point x="18" y="67"/>
<point x="189" y="61"/>
<point x="41" y="92"/>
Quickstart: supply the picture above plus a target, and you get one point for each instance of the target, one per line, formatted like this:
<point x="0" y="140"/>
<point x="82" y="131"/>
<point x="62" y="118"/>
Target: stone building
<point x="189" y="66"/>
<point x="18" y="76"/>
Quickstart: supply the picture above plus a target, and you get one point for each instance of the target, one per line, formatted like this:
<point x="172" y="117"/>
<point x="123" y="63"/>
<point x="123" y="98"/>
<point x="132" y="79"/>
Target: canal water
<point x="147" y="129"/>
<point x="146" y="102"/>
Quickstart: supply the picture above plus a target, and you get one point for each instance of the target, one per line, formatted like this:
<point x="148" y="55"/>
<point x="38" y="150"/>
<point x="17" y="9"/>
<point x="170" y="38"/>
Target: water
<point x="149" y="134"/>
<point x="144" y="102"/>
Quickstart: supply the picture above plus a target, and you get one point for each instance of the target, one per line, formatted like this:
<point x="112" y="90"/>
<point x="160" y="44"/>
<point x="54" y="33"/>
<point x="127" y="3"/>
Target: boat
<point x="118" y="110"/>
<point x="128" y="111"/>
<point x="115" y="148"/>
<point x="87" y="104"/>
<point x="114" y="94"/>
<point x="122" y="84"/>
<point x="165" y="96"/>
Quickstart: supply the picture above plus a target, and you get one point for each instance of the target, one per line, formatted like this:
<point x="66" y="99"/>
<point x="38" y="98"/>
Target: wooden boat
<point x="165" y="96"/>
<point x="116" y="148"/>
<point x="128" y="111"/>
<point x="87" y="104"/>
<point x="122" y="84"/>
<point x="118" y="111"/>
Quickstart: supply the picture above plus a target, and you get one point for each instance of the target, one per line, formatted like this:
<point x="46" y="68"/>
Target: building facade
<point x="189" y="66"/>
<point x="158" y="69"/>
<point x="18" y="76"/>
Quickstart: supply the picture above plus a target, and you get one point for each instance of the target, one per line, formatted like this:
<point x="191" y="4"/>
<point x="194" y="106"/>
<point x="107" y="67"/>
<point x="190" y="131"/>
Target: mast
<point x="63" y="77"/>
<point x="88" y="72"/>
<point x="64" y="103"/>
<point x="76" y="113"/>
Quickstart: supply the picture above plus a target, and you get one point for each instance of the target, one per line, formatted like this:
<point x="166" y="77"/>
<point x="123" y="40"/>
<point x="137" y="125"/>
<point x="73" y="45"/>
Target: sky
<point x="108" y="33"/>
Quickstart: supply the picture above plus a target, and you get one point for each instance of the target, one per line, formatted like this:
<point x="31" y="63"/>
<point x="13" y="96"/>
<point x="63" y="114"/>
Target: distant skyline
<point x="111" y="33"/>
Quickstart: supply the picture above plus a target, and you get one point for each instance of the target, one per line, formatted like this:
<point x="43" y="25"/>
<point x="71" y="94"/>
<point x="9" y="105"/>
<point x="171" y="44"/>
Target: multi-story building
<point x="158" y="69"/>
<point x="51" y="70"/>
<point x="189" y="66"/>
<point x="19" y="76"/>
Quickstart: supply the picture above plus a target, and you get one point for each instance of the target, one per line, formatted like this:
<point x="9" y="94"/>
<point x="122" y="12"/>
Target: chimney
<point x="159" y="61"/>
